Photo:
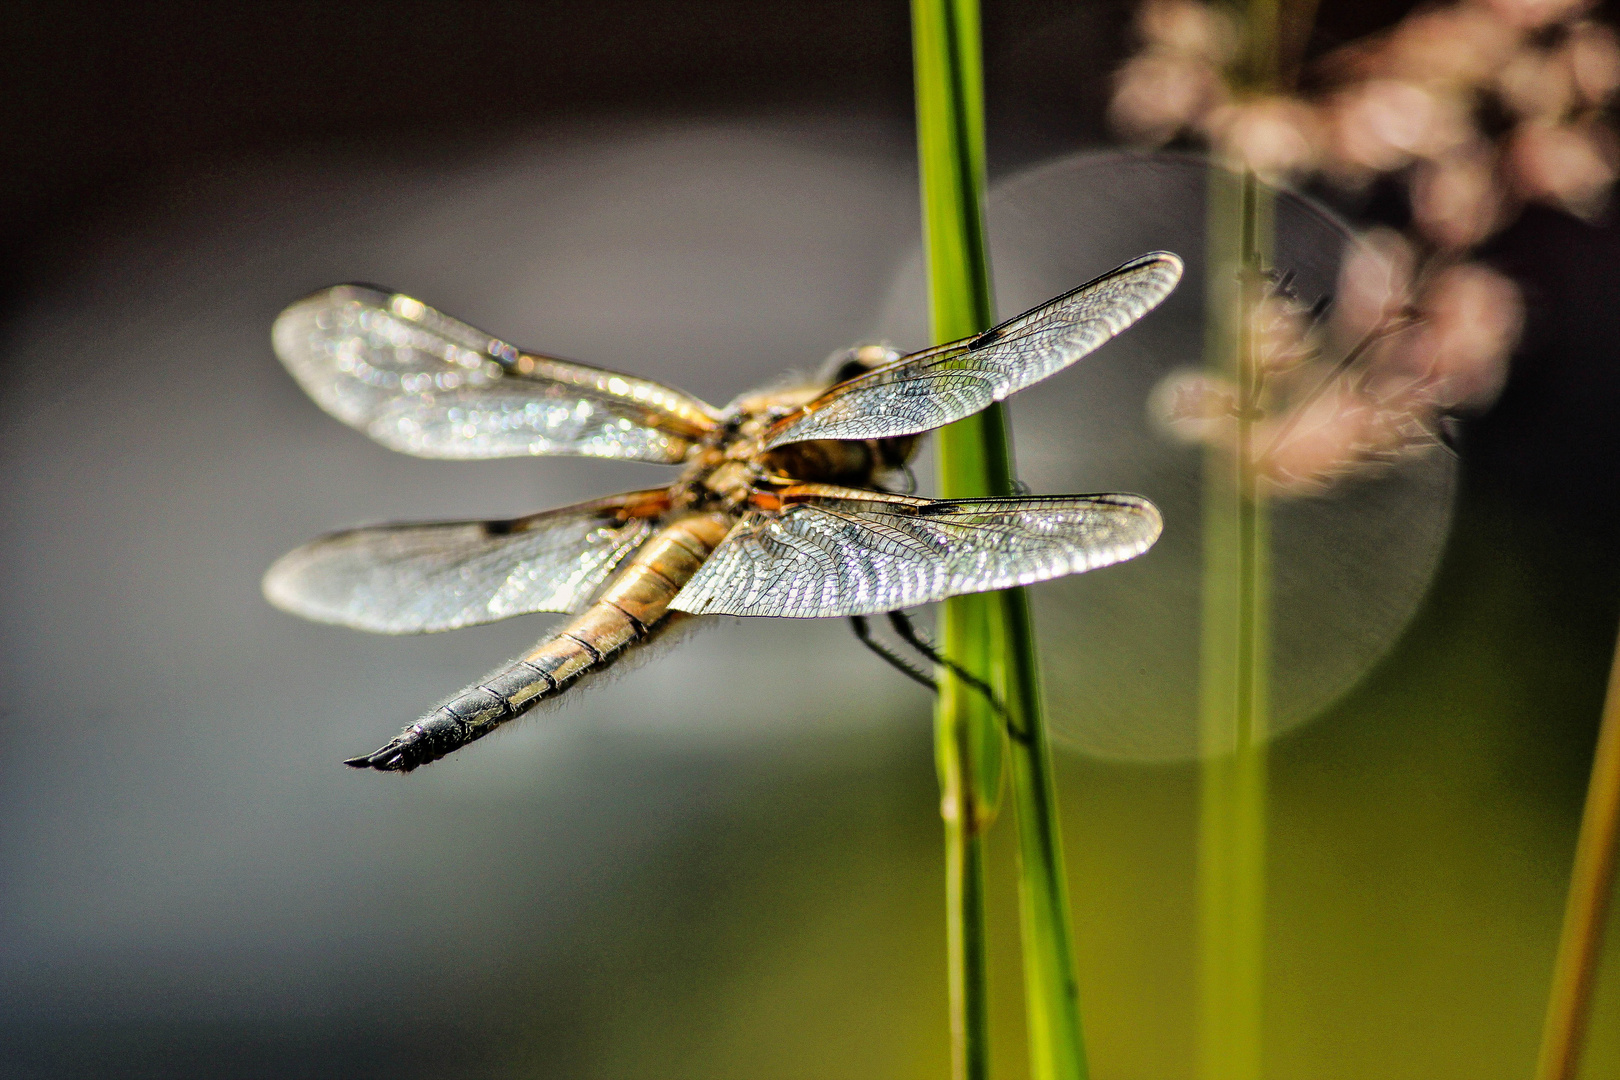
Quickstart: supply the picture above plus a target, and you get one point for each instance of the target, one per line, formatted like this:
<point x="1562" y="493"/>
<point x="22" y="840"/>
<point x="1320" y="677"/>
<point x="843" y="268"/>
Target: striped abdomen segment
<point x="628" y="611"/>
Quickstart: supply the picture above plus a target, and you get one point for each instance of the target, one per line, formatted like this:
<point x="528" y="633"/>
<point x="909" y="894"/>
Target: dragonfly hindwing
<point x="408" y="579"/>
<point x="851" y="553"/>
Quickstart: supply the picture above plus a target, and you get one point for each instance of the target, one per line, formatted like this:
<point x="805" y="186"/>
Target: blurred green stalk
<point x="1234" y="646"/>
<point x="989" y="635"/>
<point x="1233" y="670"/>
<point x="1590" y="882"/>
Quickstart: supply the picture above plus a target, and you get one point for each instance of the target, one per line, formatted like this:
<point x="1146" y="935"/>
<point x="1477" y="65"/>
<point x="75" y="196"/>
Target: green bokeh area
<point x="1420" y="838"/>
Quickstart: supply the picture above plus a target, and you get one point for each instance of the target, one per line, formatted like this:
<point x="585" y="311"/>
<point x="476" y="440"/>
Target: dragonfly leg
<point x="863" y="631"/>
<point x="912" y="636"/>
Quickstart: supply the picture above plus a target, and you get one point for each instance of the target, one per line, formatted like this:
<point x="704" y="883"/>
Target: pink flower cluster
<point x="1367" y="386"/>
<point x="1477" y="108"/>
<point x="1415" y="98"/>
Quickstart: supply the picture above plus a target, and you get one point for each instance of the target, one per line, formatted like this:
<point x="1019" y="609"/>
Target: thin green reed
<point x="1591" y="880"/>
<point x="1233" y="674"/>
<point x="968" y="746"/>
<point x="1235" y="630"/>
<point x="989" y="635"/>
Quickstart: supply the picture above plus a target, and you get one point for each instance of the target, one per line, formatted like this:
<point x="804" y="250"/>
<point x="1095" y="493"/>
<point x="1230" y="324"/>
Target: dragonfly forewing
<point x="425" y="384"/>
<point x="938" y="386"/>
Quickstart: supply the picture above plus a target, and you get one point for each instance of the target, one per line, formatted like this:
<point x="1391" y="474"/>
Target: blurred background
<point x="726" y="862"/>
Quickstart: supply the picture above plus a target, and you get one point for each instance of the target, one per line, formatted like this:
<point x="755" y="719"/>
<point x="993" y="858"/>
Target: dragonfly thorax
<point x="839" y="461"/>
<point x="730" y="481"/>
<point x="732" y="464"/>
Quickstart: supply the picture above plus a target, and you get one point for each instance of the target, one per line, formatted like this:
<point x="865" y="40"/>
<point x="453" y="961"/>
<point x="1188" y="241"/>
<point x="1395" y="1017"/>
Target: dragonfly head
<point x="846" y="364"/>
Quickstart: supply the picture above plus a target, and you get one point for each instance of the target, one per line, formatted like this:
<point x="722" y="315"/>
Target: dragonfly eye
<point x="846" y="364"/>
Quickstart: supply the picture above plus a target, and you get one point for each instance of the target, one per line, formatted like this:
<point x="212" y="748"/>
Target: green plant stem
<point x="990" y="635"/>
<point x="1590" y="883"/>
<point x="1233" y="676"/>
<point x="964" y="900"/>
<point x="967" y="744"/>
<point x="1051" y="991"/>
<point x="1234" y="662"/>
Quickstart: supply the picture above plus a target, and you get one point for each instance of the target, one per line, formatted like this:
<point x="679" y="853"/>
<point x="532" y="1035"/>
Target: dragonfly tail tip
<point x="390" y="758"/>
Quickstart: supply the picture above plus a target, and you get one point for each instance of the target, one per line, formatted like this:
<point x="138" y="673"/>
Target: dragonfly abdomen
<point x="628" y="611"/>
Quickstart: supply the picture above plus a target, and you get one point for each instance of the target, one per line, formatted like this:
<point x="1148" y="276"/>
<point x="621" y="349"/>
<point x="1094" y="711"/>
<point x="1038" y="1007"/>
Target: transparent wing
<point x="408" y="579"/>
<point x="929" y="389"/>
<point x="422" y="383"/>
<point x="842" y="552"/>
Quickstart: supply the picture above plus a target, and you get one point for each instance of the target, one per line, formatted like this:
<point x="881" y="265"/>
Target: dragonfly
<point x="786" y="504"/>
